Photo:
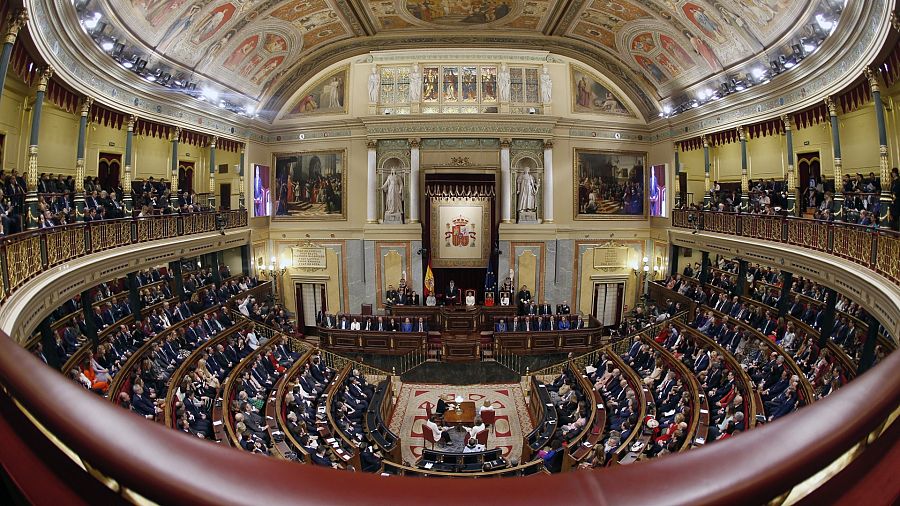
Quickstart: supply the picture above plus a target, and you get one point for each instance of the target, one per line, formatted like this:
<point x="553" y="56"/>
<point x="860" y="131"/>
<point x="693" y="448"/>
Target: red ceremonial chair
<point x="482" y="437"/>
<point x="428" y="435"/>
<point x="488" y="416"/>
<point x="428" y="411"/>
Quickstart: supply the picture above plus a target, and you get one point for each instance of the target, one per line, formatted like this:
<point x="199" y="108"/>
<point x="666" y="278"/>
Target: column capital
<point x="742" y="133"/>
<point x="212" y="141"/>
<point x="548" y="144"/>
<point x="44" y="80"/>
<point x="86" y="105"/>
<point x="243" y="148"/>
<point x="371" y="145"/>
<point x="872" y="77"/>
<point x="132" y="119"/>
<point x="176" y="134"/>
<point x="787" y="122"/>
<point x="895" y="21"/>
<point x="705" y="140"/>
<point x="504" y="143"/>
<point x="832" y="108"/>
<point x="414" y="143"/>
<point x="15" y="21"/>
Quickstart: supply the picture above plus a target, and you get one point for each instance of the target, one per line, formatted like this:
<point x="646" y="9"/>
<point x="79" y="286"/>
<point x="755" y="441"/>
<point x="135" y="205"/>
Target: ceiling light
<point x="824" y="23"/>
<point x="211" y="94"/>
<point x="695" y="104"/>
<point x="667" y="109"/>
<point x="91" y="23"/>
<point x="150" y="77"/>
<point x="249" y="110"/>
<point x="758" y="72"/>
<point x="107" y="45"/>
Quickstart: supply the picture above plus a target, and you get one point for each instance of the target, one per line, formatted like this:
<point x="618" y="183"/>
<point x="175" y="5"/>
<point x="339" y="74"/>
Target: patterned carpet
<point x="507" y="399"/>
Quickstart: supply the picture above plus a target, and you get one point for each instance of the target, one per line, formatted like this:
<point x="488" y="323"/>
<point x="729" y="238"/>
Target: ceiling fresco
<point x="266" y="49"/>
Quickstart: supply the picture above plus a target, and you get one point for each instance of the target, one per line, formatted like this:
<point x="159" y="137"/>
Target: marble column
<point x="745" y="188"/>
<point x="31" y="179"/>
<point x="548" y="182"/>
<point x="241" y="174"/>
<point x="792" y="195"/>
<point x="706" y="197"/>
<point x="129" y="148"/>
<point x="883" y="160"/>
<point x="505" y="189"/>
<point x="371" y="183"/>
<point x="176" y="134"/>
<point x="211" y="198"/>
<point x="836" y="150"/>
<point x="414" y="181"/>
<point x="15" y="22"/>
<point x="79" y="156"/>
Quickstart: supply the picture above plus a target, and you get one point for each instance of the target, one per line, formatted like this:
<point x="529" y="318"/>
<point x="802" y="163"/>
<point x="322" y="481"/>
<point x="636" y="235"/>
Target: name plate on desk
<point x="308" y="256"/>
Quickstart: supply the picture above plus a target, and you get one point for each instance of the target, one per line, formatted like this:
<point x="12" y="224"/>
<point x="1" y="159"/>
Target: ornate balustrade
<point x="873" y="248"/>
<point x="27" y="254"/>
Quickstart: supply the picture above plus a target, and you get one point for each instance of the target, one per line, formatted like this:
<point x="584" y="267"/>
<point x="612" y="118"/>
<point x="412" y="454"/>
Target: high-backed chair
<point x="428" y="436"/>
<point x="488" y="416"/>
<point x="482" y="437"/>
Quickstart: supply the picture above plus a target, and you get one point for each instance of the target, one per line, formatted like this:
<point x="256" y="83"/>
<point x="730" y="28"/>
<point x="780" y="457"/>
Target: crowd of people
<point x="372" y="323"/>
<point x="861" y="204"/>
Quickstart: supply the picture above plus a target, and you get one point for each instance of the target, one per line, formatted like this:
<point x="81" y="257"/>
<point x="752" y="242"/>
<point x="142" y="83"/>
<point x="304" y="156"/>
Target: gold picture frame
<point x="606" y="209"/>
<point x="318" y="211"/>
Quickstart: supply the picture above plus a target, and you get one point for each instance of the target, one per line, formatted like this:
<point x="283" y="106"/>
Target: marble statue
<point x="374" y="84"/>
<point x="546" y="86"/>
<point x="393" y="197"/>
<point x="503" y="83"/>
<point x="526" y="190"/>
<point x="415" y="84"/>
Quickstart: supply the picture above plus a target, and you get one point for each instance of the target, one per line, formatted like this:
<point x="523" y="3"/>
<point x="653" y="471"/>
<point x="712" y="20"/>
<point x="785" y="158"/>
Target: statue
<point x="415" y="84"/>
<point x="526" y="190"/>
<point x="503" y="82"/>
<point x="393" y="197"/>
<point x="546" y="86"/>
<point x="374" y="84"/>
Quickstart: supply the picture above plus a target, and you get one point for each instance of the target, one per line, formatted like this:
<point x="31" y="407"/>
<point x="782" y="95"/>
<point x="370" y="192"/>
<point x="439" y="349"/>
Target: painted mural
<point x="328" y="96"/>
<point x="310" y="186"/>
<point x="590" y="96"/>
<point x="609" y="183"/>
<point x="517" y="14"/>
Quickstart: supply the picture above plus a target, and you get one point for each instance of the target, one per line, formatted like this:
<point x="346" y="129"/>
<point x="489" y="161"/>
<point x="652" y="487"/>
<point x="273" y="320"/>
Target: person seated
<point x="500" y="326"/>
<point x="473" y="446"/>
<point x="478" y="425"/>
<point x="504" y="298"/>
<point x="489" y="299"/>
<point x="354" y="325"/>
<point x="563" y="323"/>
<point x="486" y="405"/>
<point x="470" y="298"/>
<point x="441" y="435"/>
<point x="441" y="406"/>
<point x="431" y="300"/>
<point x="421" y="325"/>
<point x="563" y="308"/>
<point x="406" y="326"/>
<point x="318" y="458"/>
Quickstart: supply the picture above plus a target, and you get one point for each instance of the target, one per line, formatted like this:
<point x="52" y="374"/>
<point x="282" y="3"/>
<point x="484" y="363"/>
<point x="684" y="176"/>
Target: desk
<point x="466" y="415"/>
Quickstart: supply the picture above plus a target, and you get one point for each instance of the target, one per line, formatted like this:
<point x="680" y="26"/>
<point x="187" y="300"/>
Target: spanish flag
<point x="429" y="280"/>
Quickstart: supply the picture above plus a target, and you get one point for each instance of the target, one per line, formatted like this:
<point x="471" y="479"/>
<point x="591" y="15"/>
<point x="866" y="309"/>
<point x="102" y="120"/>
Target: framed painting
<point x="327" y="96"/>
<point x="591" y="96"/>
<point x="609" y="184"/>
<point x="310" y="186"/>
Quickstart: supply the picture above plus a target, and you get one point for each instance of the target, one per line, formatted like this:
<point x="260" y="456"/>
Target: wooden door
<point x="185" y="176"/>
<point x="108" y="167"/>
<point x="225" y="195"/>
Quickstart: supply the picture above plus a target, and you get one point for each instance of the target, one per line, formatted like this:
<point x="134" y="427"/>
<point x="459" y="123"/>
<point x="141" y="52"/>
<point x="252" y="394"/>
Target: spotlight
<point x="107" y="45"/>
<point x="210" y="94"/>
<point x="91" y="22"/>
<point x="758" y="73"/>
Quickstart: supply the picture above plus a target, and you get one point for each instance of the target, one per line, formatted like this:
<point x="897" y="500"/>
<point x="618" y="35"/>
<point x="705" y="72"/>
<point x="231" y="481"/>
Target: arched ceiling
<point x="262" y="50"/>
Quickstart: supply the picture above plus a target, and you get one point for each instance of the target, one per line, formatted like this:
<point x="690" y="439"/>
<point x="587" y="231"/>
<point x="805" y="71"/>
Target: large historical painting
<point x="460" y="232"/>
<point x="310" y="186"/>
<point x="459" y="12"/>
<point x="328" y="96"/>
<point x="610" y="183"/>
<point x="592" y="97"/>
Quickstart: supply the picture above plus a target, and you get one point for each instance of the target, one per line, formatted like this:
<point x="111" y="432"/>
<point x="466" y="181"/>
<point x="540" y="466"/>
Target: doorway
<point x="608" y="303"/>
<point x="809" y="167"/>
<point x="225" y="195"/>
<point x="108" y="167"/>
<point x="311" y="305"/>
<point x="185" y="176"/>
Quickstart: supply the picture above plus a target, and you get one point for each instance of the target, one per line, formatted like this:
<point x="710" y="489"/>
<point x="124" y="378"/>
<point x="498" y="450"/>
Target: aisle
<point x="507" y="400"/>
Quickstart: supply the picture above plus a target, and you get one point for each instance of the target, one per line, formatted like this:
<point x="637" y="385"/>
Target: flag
<point x="429" y="280"/>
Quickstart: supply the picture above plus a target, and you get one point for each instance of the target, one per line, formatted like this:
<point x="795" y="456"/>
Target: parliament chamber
<point x="609" y="252"/>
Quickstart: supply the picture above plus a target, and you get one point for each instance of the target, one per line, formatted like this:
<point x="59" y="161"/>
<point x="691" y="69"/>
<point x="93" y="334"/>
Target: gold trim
<point x="344" y="189"/>
<point x="576" y="181"/>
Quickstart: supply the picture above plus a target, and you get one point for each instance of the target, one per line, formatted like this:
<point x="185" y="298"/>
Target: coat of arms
<point x="460" y="233"/>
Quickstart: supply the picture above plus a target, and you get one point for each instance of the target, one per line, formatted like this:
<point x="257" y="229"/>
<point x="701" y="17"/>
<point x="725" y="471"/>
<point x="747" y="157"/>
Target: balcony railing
<point x="27" y="254"/>
<point x="874" y="248"/>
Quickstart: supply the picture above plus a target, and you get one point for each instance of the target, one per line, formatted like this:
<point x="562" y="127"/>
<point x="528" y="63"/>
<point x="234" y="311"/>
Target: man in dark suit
<point x="563" y="308"/>
<point x="421" y="325"/>
<point x="523" y="297"/>
<point x="452" y="293"/>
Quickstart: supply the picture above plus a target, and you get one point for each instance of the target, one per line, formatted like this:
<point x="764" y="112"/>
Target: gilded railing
<point x="887" y="257"/>
<point x="64" y="244"/>
<point x="768" y="228"/>
<point x="854" y="243"/>
<point x="235" y="219"/>
<point x="811" y="234"/>
<point x="157" y="227"/>
<point x="110" y="234"/>
<point x="196" y="223"/>
<point x="725" y="223"/>
<point x="23" y="259"/>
